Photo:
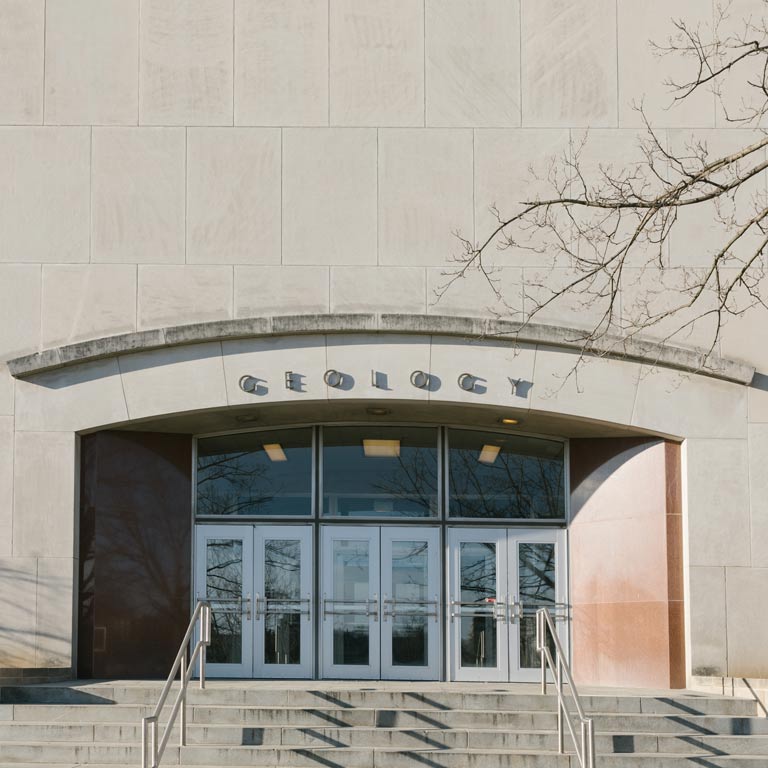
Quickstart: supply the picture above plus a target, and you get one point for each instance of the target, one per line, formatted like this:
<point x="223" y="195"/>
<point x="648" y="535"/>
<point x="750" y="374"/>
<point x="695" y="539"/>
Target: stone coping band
<point x="474" y="328"/>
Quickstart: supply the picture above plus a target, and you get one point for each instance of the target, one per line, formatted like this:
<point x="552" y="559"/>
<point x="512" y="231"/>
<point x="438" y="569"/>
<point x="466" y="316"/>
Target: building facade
<point x="227" y="373"/>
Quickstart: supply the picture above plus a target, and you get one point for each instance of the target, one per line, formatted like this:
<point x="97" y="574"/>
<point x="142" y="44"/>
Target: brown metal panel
<point x="135" y="540"/>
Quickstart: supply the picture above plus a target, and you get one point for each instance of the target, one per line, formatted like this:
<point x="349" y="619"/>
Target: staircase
<point x="372" y="725"/>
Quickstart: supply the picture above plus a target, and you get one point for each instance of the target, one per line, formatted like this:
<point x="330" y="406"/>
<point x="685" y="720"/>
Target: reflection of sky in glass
<point x="526" y="480"/>
<point x="235" y="476"/>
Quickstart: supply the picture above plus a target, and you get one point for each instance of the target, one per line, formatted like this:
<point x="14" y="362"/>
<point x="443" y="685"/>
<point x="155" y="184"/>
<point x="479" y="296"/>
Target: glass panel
<point x="410" y="564"/>
<point x="536" y="577"/>
<point x="282" y="581"/>
<point x="350" y="591"/>
<point x="255" y="473"/>
<point x="380" y="471"/>
<point x="477" y="574"/>
<point x="505" y="476"/>
<point x="224" y="582"/>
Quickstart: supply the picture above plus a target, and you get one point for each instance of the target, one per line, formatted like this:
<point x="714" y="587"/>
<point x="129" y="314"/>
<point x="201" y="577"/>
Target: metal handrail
<point x="152" y="747"/>
<point x="585" y="745"/>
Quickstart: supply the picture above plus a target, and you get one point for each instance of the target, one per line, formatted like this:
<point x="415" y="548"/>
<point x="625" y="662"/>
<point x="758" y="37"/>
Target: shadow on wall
<point x="605" y="466"/>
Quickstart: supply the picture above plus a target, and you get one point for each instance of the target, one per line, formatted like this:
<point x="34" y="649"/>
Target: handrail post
<point x="183" y="713"/>
<point x="540" y="647"/>
<point x="205" y="635"/>
<point x="584" y="744"/>
<point x="144" y="743"/>
<point x="560" y="707"/>
<point x="590" y="762"/>
<point x="153" y="742"/>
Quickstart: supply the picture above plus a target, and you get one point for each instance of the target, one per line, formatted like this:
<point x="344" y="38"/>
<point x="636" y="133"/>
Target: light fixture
<point x="509" y="421"/>
<point x="275" y="452"/>
<point x="378" y="411"/>
<point x="381" y="448"/>
<point x="489" y="454"/>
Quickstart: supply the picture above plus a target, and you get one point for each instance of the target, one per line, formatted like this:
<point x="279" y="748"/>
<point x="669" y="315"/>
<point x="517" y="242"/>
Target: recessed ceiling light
<point x="247" y="418"/>
<point x="275" y="452"/>
<point x="489" y="454"/>
<point x="379" y="448"/>
<point x="509" y="421"/>
<point x="378" y="411"/>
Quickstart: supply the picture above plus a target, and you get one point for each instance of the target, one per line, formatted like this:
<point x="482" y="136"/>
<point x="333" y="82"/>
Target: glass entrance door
<point x="350" y="602"/>
<point x="497" y="581"/>
<point x="410" y="586"/>
<point x="381" y="602"/>
<point x="258" y="580"/>
<point x="283" y="601"/>
<point x="224" y="575"/>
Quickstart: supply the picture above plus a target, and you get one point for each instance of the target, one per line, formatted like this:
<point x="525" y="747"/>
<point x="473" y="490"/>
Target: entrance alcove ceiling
<point x="187" y="379"/>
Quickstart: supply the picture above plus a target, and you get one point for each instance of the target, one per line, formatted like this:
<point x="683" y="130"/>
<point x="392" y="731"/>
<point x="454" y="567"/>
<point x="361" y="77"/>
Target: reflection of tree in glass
<point x="536" y="579"/>
<point x="514" y="485"/>
<point x="478" y="572"/>
<point x="414" y="481"/>
<point x="282" y="569"/>
<point x="224" y="582"/>
<point x="234" y="484"/>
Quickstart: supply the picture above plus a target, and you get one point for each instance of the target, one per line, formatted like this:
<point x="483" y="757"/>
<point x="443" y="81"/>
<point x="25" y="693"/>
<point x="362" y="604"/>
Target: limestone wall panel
<point x="329" y="196"/>
<point x="594" y="388"/>
<point x="19" y="309"/>
<point x="569" y="64"/>
<point x="87" y="301"/>
<point x="44" y="494"/>
<point x="91" y="62"/>
<point x="396" y="289"/>
<point x="686" y="405"/>
<point x="281" y="290"/>
<point x="718" y="502"/>
<point x="643" y="72"/>
<point x="186" y="67"/>
<point x="747" y="622"/>
<point x="21" y="61"/>
<point x="233" y="196"/>
<point x="44" y="194"/>
<point x="281" y="62"/>
<point x="377" y="62"/>
<point x="707" y="612"/>
<point x="18" y="587"/>
<point x="177" y="295"/>
<point x="71" y="399"/>
<point x="503" y="159"/>
<point x="425" y="195"/>
<point x="6" y="485"/>
<point x="173" y="380"/>
<point x="138" y="195"/>
<point x="473" y="63"/>
<point x="53" y="608"/>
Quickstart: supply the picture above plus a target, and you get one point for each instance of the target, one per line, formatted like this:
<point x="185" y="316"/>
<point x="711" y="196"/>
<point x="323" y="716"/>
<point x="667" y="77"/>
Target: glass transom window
<point x="497" y="475"/>
<point x="373" y="471"/>
<point x="256" y="473"/>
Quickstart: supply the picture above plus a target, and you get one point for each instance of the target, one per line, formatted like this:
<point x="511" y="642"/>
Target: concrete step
<point x="388" y="718"/>
<point x="40" y="754"/>
<point x="227" y="736"/>
<point x="491" y="700"/>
